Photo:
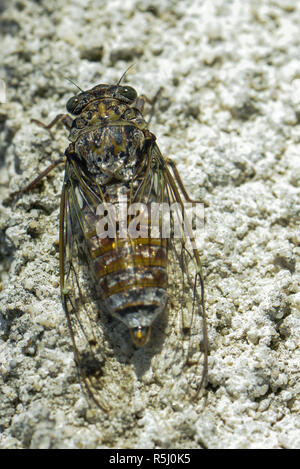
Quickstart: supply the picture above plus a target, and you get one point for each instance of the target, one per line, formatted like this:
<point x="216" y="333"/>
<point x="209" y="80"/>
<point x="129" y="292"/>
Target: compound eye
<point x="128" y="92"/>
<point x="72" y="103"/>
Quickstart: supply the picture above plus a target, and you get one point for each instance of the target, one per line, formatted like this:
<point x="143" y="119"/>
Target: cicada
<point x="113" y="163"/>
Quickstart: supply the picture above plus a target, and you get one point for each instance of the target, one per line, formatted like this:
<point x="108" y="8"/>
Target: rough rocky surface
<point x="229" y="116"/>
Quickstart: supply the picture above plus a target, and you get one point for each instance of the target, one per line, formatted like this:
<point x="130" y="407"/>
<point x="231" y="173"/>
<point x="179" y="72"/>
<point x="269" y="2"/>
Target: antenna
<point x="130" y="66"/>
<point x="71" y="81"/>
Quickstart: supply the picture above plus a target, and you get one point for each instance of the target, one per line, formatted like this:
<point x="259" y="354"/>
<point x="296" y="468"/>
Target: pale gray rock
<point x="229" y="116"/>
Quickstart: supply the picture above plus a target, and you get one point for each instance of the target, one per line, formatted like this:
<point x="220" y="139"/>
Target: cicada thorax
<point x="114" y="146"/>
<point x="111" y="139"/>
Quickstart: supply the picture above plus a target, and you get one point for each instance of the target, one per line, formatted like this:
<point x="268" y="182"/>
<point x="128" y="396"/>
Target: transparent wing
<point x="78" y="290"/>
<point x="187" y="324"/>
<point x="186" y="330"/>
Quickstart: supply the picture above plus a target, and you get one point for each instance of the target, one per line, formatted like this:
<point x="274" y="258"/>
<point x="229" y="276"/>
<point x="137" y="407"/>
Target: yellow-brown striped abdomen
<point x="132" y="277"/>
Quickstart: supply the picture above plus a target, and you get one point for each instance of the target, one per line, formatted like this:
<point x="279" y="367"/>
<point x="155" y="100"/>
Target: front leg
<point x="140" y="103"/>
<point x="67" y="122"/>
<point x="64" y="118"/>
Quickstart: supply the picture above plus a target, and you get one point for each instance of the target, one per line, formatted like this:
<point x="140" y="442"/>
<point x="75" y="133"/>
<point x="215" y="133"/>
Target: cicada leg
<point x="181" y="185"/>
<point x="67" y="122"/>
<point x="65" y="119"/>
<point x="35" y="182"/>
<point x="140" y="103"/>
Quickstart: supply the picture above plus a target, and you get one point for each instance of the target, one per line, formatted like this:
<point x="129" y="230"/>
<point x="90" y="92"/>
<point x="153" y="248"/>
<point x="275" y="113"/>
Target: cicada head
<point x="124" y="94"/>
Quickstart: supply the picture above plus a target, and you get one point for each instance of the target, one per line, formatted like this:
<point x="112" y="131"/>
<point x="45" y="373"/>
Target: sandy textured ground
<point x="229" y="116"/>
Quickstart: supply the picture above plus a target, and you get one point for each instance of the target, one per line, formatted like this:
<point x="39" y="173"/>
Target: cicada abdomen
<point x="130" y="272"/>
